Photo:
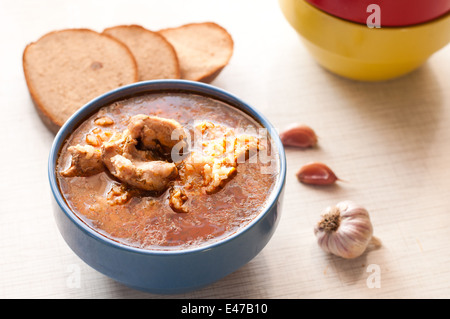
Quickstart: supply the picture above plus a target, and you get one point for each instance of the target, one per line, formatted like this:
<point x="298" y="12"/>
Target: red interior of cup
<point x="392" y="13"/>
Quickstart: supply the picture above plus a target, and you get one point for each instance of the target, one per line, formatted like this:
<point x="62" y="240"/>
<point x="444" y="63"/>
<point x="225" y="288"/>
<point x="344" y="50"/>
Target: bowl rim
<point x="161" y="85"/>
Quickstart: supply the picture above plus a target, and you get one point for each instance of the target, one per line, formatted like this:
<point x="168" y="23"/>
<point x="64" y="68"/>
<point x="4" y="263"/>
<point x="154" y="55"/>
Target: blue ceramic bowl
<point x="165" y="272"/>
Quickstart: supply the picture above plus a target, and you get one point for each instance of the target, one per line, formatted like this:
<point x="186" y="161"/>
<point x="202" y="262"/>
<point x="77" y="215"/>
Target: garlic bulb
<point x="345" y="230"/>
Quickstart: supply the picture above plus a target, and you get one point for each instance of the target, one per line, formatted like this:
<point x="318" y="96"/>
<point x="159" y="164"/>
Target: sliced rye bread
<point x="155" y="56"/>
<point x="203" y="49"/>
<point x="67" y="68"/>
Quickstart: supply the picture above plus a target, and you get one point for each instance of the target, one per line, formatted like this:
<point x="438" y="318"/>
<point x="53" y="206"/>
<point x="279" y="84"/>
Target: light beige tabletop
<point x="390" y="141"/>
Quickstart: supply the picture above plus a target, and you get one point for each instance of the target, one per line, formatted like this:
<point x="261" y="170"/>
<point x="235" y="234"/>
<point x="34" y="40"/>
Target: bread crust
<point x="53" y="119"/>
<point x="212" y="74"/>
<point x="176" y="61"/>
<point x="46" y="115"/>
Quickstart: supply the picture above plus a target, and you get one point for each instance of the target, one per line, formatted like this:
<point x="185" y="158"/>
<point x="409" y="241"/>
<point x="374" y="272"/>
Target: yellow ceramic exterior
<point x="358" y="52"/>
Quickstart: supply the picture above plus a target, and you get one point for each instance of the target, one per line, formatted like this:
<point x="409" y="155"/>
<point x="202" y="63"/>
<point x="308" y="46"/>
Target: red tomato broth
<point x="146" y="220"/>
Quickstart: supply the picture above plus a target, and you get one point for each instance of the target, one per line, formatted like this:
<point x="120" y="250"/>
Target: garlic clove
<point x="344" y="230"/>
<point x="316" y="173"/>
<point x="301" y="136"/>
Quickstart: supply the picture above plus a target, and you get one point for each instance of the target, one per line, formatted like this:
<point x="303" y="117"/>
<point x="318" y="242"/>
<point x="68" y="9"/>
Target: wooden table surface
<point x="390" y="141"/>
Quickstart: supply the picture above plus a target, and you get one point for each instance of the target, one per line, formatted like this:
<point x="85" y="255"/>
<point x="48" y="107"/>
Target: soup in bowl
<point x="167" y="186"/>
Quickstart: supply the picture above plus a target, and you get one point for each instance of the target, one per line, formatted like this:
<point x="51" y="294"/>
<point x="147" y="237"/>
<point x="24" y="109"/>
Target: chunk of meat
<point x="215" y="161"/>
<point x="245" y="147"/>
<point x="149" y="176"/>
<point x="124" y="144"/>
<point x="118" y="194"/>
<point x="135" y="167"/>
<point x="157" y="133"/>
<point x="177" y="198"/>
<point x="217" y="173"/>
<point x="134" y="158"/>
<point x="206" y="173"/>
<point x="220" y="140"/>
<point x="96" y="137"/>
<point x="86" y="161"/>
<point x="210" y="131"/>
<point x="212" y="162"/>
<point x="104" y="121"/>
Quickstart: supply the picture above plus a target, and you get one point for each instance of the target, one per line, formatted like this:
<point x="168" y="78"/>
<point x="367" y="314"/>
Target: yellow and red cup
<point x="370" y="40"/>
